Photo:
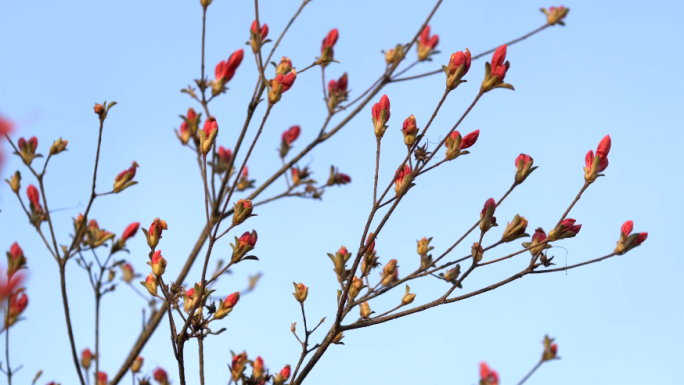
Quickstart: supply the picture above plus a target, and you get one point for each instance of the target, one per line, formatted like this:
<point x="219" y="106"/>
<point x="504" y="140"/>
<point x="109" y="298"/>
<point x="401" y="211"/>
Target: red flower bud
<point x="595" y="165"/>
<point x="224" y="154"/>
<point x="280" y="84"/>
<point x="150" y="284"/>
<point x="158" y="263"/>
<point x="628" y="240"/>
<point x="488" y="376"/>
<point x="426" y="44"/>
<point x="34" y="197"/>
<point x="555" y="15"/>
<point x="469" y="139"/>
<point x="27" y="149"/>
<point x="130" y="231"/>
<point x="381" y="115"/>
<point x="337" y="91"/>
<point x="496" y="71"/>
<point x="125" y="178"/>
<point x="627" y="228"/>
<point x="155" y="232"/>
<point x="402" y="179"/>
<point x="161" y="376"/>
<point x="286" y="370"/>
<point x="390" y="273"/>
<point x="264" y="29"/>
<point x="243" y="245"/>
<point x="459" y="64"/>
<point x="284" y="66"/>
<point x="128" y="272"/>
<point x="523" y="164"/>
<point x="330" y="40"/>
<point x="101" y="378"/>
<point x="86" y="358"/>
<point x="487" y="218"/>
<point x="410" y="130"/>
<point x="291" y="134"/>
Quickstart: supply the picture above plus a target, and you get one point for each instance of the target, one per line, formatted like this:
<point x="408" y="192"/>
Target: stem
<point x="97" y="329"/>
<point x="67" y="316"/>
<point x="200" y="343"/>
<point x="579" y="194"/>
<point x="474" y="57"/>
<point x="531" y="372"/>
<point x="377" y="169"/>
<point x="7" y="333"/>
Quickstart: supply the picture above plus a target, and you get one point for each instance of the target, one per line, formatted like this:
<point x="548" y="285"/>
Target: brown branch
<point x="534" y="369"/>
<point x="474" y="57"/>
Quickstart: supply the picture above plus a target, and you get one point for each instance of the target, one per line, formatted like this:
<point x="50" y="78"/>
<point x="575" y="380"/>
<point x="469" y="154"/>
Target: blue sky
<point x="612" y="70"/>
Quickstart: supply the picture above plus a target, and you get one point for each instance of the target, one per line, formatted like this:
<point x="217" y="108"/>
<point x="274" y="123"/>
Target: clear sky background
<point x="615" y="69"/>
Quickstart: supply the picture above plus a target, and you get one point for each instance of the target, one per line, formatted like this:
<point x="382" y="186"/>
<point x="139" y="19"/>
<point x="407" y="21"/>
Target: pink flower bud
<point x="158" y="263"/>
<point x="125" y="178"/>
<point x="487" y="375"/>
<point x="381" y="115"/>
<point x="291" y="134"/>
<point x="426" y="44"/>
<point x="101" y="378"/>
<point x="130" y="231"/>
<point x="264" y="29"/>
<point x="161" y="376"/>
<point x="34" y="197"/>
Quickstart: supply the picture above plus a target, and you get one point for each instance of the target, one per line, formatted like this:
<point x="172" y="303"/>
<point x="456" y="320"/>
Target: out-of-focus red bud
<point x="258" y="368"/>
<point x="101" y="378"/>
<point x="257" y="36"/>
<point x="130" y="231"/>
<point x="225" y="70"/>
<point x="381" y="115"/>
<point x="487" y="218"/>
<point x="137" y="364"/>
<point x="128" y="272"/>
<point x="555" y="15"/>
<point x="237" y="365"/>
<point x="301" y="292"/>
<point x="289" y="136"/>
<point x="284" y="66"/>
<point x="241" y="211"/>
<point x="34" y="197"/>
<point x="58" y="146"/>
<point x="15" y="260"/>
<point x="15" y="180"/>
<point x="154" y="234"/>
<point x="125" y="178"/>
<point x="208" y="135"/>
<point x="487" y="375"/>
<point x="390" y="273"/>
<point x="337" y="177"/>
<point x="161" y="376"/>
<point x="279" y="85"/>
<point x="158" y="263"/>
<point x="86" y="358"/>
<point x="282" y="376"/>
<point x="426" y="44"/>
<point x="495" y="73"/>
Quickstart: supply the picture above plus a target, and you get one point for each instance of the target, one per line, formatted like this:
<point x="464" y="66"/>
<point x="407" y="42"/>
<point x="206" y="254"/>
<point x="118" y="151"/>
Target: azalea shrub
<point x="185" y="304"/>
